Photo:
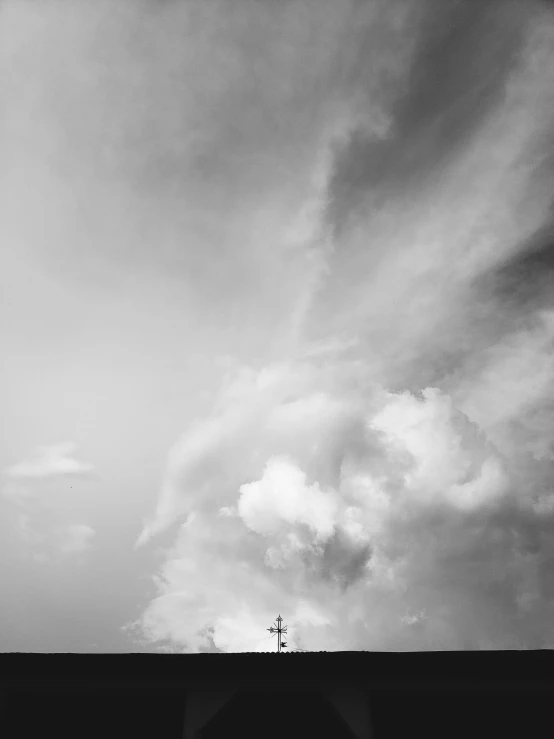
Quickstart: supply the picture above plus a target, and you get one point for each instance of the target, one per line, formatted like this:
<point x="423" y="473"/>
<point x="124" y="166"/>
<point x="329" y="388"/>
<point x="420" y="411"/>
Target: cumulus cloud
<point x="384" y="481"/>
<point x="324" y="514"/>
<point x="282" y="495"/>
<point x="453" y="457"/>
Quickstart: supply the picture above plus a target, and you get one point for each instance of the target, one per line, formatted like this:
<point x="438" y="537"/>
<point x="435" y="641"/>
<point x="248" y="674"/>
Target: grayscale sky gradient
<point x="277" y="324"/>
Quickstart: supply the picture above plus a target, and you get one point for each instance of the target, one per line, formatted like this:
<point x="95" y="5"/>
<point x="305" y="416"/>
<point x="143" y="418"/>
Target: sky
<point x="277" y="326"/>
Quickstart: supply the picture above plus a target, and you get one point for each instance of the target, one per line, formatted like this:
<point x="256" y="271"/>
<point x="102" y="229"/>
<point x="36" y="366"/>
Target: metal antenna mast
<point x="279" y="630"/>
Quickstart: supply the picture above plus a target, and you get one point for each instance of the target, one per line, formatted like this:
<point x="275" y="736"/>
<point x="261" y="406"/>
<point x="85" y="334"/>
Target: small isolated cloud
<point x="32" y="488"/>
<point x="50" y="461"/>
<point x="413" y="618"/>
<point x="46" y="542"/>
<point x="28" y="533"/>
<point x="75" y="538"/>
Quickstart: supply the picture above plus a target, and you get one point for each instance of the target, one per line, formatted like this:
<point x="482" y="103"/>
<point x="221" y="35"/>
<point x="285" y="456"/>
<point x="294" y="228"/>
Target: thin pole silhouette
<point x="279" y="630"/>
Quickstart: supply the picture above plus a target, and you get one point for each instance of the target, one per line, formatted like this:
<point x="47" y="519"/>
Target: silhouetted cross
<point x="279" y="630"/>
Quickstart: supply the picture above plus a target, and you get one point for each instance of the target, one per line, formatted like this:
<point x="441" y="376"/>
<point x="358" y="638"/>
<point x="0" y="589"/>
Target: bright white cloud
<point x="282" y="495"/>
<point x="453" y="459"/>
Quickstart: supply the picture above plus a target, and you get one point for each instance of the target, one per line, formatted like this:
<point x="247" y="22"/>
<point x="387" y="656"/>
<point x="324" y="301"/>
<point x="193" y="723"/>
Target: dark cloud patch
<point x="492" y="576"/>
<point x="341" y="563"/>
<point x="464" y="54"/>
<point x="504" y="300"/>
<point x="526" y="281"/>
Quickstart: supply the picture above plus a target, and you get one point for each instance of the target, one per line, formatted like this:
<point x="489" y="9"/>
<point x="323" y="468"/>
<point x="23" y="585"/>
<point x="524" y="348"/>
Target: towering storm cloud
<point x="387" y="483"/>
<point x="333" y="220"/>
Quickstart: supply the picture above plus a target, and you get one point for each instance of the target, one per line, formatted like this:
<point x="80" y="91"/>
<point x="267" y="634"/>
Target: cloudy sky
<point x="277" y="325"/>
